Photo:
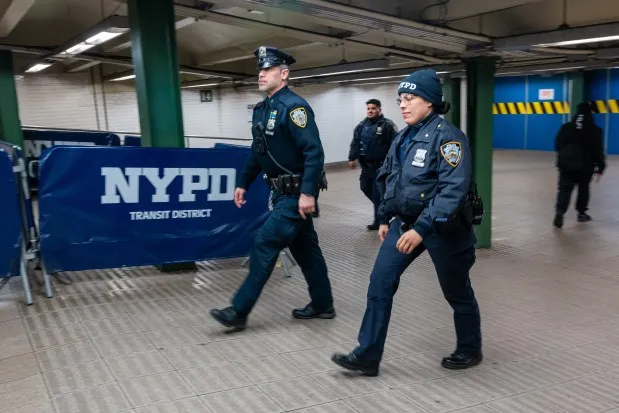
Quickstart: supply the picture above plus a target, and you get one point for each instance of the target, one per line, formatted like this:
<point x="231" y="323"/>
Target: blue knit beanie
<point x="424" y="83"/>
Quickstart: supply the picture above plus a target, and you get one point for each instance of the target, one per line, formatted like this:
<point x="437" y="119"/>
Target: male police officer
<point x="287" y="148"/>
<point x="426" y="179"/>
<point x="372" y="138"/>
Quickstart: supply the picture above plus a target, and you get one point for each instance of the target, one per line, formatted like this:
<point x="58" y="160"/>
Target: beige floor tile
<point x="545" y="296"/>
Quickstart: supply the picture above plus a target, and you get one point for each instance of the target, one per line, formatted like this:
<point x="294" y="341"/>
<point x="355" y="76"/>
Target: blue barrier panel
<point x="36" y="141"/>
<point x="10" y="220"/>
<point x="113" y="207"/>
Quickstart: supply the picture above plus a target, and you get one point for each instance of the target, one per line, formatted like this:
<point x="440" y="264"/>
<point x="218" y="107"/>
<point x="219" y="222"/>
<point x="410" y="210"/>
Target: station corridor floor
<point x="136" y="340"/>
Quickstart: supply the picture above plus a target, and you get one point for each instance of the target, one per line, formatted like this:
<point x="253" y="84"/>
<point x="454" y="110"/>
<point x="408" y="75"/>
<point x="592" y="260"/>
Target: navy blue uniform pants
<point x="567" y="181"/>
<point x="453" y="255"/>
<point x="285" y="228"/>
<point x="367" y="181"/>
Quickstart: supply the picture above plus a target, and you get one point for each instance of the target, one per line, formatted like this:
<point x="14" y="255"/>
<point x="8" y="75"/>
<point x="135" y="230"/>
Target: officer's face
<point x="414" y="108"/>
<point x="372" y="111"/>
<point x="271" y="78"/>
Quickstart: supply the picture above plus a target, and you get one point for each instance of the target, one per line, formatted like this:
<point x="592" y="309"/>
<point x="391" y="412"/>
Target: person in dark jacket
<point x="580" y="155"/>
<point x="371" y="141"/>
<point x="287" y="148"/>
<point x="425" y="180"/>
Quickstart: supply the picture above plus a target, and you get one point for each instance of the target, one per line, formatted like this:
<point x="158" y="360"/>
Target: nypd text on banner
<point x="106" y="207"/>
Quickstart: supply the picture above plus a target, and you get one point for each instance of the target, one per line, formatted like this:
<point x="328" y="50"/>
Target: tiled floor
<point x="140" y="341"/>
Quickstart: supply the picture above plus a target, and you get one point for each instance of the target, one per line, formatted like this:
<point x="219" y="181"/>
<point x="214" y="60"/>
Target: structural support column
<point x="579" y="89"/>
<point x="155" y="60"/>
<point x="480" y="94"/>
<point x="451" y="91"/>
<point x="10" y="125"/>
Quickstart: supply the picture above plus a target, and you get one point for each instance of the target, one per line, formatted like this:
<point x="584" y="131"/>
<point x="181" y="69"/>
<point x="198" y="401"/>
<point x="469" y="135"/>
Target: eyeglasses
<point x="406" y="98"/>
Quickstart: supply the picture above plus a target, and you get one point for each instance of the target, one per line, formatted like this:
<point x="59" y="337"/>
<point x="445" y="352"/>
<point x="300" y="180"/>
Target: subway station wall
<point x="529" y="110"/>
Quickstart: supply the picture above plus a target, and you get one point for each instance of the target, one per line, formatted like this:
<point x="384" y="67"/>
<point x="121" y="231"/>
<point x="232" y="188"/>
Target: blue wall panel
<point x="508" y="130"/>
<point x="542" y="129"/>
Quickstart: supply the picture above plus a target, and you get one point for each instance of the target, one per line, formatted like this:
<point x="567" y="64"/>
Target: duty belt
<point x="286" y="184"/>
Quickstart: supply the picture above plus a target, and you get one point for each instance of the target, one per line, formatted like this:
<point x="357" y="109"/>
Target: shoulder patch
<point x="452" y="153"/>
<point x="299" y="117"/>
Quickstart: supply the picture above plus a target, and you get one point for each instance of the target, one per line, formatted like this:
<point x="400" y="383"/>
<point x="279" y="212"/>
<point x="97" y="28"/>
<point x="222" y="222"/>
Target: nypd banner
<point x="106" y="207"/>
<point x="10" y="220"/>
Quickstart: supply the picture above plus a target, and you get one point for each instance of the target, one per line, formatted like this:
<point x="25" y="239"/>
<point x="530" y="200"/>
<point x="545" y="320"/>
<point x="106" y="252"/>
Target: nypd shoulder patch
<point x="452" y="153"/>
<point x="299" y="117"/>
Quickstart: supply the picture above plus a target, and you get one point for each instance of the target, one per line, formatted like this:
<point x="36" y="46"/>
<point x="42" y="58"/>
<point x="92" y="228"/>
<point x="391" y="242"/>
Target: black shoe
<point x="558" y="222"/>
<point x="351" y="362"/>
<point x="582" y="217"/>
<point x="229" y="318"/>
<point x="373" y="227"/>
<point x="459" y="361"/>
<point x="308" y="312"/>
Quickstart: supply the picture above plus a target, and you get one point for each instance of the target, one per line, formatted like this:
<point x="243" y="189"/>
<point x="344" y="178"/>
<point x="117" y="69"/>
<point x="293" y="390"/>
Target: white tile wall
<point x="68" y="101"/>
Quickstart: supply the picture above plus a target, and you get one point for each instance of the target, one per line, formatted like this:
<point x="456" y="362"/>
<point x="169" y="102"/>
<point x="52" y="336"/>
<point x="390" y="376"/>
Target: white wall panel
<point x="68" y="101"/>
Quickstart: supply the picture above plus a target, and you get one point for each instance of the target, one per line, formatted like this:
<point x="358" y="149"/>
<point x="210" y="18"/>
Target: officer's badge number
<point x="452" y="153"/>
<point x="299" y="117"/>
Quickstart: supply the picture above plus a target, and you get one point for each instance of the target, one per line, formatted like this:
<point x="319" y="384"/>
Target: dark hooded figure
<point x="580" y="155"/>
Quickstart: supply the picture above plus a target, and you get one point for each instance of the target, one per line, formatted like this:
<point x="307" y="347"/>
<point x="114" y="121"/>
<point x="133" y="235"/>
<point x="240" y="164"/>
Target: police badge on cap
<point x="270" y="56"/>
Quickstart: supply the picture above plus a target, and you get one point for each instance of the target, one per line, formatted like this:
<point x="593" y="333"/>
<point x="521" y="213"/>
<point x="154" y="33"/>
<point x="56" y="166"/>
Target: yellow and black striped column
<point x="605" y="106"/>
<point x="531" y="108"/>
<point x="551" y="107"/>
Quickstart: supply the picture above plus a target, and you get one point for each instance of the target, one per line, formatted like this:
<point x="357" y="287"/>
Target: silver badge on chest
<point x="420" y="157"/>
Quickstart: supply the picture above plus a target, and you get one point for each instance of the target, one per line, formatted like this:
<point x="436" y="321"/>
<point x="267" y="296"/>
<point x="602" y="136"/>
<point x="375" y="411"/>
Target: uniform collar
<point x="417" y="126"/>
<point x="376" y="119"/>
<point x="276" y="95"/>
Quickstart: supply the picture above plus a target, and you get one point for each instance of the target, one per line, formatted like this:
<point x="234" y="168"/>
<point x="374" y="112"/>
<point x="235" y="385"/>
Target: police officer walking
<point x="287" y="148"/>
<point x="372" y="138"/>
<point x="425" y="180"/>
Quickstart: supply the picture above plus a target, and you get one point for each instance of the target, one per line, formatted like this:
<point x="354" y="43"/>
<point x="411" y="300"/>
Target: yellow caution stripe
<point x="605" y="106"/>
<point x="548" y="107"/>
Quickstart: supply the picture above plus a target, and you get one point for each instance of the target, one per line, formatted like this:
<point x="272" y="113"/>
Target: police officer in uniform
<point x="287" y="148"/>
<point x="425" y="180"/>
<point x="372" y="138"/>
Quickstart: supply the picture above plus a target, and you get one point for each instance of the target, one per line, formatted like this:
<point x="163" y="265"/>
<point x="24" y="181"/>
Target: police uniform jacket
<point x="292" y="138"/>
<point x="432" y="179"/>
<point x="383" y="132"/>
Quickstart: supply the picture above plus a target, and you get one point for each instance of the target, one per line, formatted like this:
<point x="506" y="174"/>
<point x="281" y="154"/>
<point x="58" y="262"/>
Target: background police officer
<point x="287" y="148"/>
<point x="426" y="178"/>
<point x="372" y="138"/>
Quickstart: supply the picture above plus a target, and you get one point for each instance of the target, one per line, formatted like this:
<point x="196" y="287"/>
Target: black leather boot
<point x="351" y="362"/>
<point x="229" y="318"/>
<point x="459" y="361"/>
<point x="309" y="312"/>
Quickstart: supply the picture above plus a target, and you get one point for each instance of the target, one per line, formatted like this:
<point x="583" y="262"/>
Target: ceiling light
<point x="341" y="68"/>
<point x="200" y="85"/>
<point x="91" y="42"/>
<point x="38" y="67"/>
<point x="373" y="78"/>
<point x="581" y="41"/>
<point x="127" y="77"/>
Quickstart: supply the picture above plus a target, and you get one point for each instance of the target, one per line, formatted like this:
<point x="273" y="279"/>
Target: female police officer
<point x="424" y="181"/>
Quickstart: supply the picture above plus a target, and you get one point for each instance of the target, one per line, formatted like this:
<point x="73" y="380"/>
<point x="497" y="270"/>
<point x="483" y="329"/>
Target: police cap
<point x="270" y="56"/>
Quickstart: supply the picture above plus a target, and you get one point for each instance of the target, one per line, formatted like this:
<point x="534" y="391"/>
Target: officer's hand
<point x="598" y="176"/>
<point x="239" y="197"/>
<point x="307" y="205"/>
<point x="408" y="241"/>
<point x="352" y="164"/>
<point x="382" y="231"/>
